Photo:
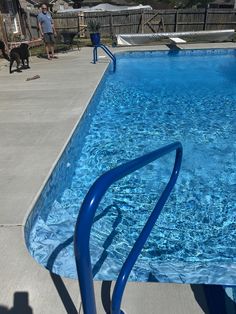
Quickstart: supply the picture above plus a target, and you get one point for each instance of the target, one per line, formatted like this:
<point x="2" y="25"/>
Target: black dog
<point x="2" y="48"/>
<point x="19" y="54"/>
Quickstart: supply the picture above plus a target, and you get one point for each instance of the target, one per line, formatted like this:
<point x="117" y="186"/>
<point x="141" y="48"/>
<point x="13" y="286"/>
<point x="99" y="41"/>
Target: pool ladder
<point x="86" y="217"/>
<point x="107" y="51"/>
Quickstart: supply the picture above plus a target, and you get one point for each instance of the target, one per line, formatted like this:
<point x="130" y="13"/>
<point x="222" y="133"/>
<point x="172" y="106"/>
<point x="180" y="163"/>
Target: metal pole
<point x="176" y="20"/>
<point x="205" y="19"/>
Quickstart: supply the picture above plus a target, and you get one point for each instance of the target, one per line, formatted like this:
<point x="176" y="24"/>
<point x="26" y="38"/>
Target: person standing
<point x="47" y="30"/>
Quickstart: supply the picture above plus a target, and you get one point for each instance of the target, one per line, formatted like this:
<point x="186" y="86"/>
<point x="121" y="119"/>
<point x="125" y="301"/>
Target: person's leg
<point x="52" y="42"/>
<point x="52" y="50"/>
<point x="47" y="47"/>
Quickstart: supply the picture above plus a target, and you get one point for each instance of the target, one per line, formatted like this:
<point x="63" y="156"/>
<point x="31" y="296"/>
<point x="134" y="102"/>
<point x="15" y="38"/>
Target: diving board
<point x="177" y="40"/>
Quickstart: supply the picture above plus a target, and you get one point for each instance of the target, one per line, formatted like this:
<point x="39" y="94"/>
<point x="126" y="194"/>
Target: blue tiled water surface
<point x="153" y="99"/>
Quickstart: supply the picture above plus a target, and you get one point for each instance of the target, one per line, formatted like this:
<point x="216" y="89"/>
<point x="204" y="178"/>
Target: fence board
<point x="33" y="24"/>
<point x="2" y="30"/>
<point x="136" y="21"/>
<point x="139" y="21"/>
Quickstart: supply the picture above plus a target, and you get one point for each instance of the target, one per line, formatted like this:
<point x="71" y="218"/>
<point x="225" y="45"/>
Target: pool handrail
<point x="85" y="220"/>
<point x="107" y="51"/>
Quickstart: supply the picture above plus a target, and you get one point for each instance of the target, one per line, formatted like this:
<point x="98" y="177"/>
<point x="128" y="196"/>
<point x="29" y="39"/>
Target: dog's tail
<point x="5" y="55"/>
<point x="2" y="48"/>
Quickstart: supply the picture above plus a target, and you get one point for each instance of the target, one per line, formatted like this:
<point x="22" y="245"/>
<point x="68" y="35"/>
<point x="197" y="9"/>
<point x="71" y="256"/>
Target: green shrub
<point x="93" y="26"/>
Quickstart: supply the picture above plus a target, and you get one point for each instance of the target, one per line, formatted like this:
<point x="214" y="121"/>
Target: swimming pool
<point x="153" y="99"/>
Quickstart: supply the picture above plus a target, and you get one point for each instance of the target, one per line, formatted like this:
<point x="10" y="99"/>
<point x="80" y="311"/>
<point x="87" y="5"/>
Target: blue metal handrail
<point x="85" y="221"/>
<point x="107" y="51"/>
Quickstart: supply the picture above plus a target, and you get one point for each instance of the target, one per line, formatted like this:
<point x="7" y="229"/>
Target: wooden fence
<point x="150" y="21"/>
<point x="28" y="26"/>
<point x="125" y="22"/>
<point x="3" y="33"/>
<point x="4" y="26"/>
<point x="33" y="24"/>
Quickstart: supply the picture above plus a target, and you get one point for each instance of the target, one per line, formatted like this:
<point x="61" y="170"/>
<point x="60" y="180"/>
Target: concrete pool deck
<point x="36" y="120"/>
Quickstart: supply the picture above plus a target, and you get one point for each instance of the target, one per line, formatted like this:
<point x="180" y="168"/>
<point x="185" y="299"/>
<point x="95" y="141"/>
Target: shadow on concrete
<point x="213" y="299"/>
<point x="57" y="280"/>
<point x="64" y="294"/>
<point x="199" y="295"/>
<point x="19" y="70"/>
<point x="106" y="296"/>
<point x="20" y="305"/>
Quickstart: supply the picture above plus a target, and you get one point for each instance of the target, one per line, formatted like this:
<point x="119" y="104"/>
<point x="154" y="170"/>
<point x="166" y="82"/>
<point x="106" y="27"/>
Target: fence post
<point x="78" y="25"/>
<point x="111" y="26"/>
<point x="27" y="20"/>
<point x="3" y="31"/>
<point x="142" y="22"/>
<point x="205" y="19"/>
<point x="81" y="24"/>
<point x="176" y="21"/>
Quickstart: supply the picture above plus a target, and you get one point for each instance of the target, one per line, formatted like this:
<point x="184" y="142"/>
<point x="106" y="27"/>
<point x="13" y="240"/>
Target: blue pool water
<point x="153" y="99"/>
